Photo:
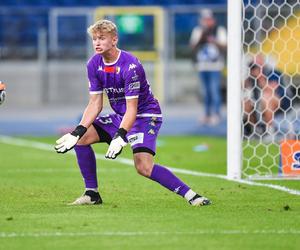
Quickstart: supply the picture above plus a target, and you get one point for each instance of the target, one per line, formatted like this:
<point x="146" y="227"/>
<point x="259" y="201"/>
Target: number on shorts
<point x="105" y="119"/>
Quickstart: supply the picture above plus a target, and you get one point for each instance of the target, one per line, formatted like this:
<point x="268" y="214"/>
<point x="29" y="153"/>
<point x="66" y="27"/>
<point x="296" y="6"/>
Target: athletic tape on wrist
<point x="122" y="133"/>
<point x="79" y="131"/>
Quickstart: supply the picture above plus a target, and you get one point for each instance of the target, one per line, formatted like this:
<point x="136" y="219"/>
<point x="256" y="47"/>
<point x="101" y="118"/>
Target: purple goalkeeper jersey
<point x="123" y="79"/>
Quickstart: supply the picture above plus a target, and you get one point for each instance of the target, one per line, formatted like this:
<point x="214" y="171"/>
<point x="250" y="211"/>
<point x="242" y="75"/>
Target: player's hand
<point x="117" y="144"/>
<point x="68" y="141"/>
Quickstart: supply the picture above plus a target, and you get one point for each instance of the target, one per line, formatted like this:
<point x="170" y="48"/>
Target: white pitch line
<point x="140" y="233"/>
<point x="64" y="170"/>
<point x="48" y="147"/>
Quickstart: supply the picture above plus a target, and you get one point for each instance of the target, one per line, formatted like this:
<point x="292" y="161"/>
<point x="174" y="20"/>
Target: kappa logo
<point x="176" y="190"/>
<point x="100" y="68"/>
<point x="151" y="132"/>
<point x="132" y="66"/>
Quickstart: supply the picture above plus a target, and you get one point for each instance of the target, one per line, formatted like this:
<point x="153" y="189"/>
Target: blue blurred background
<point x="44" y="48"/>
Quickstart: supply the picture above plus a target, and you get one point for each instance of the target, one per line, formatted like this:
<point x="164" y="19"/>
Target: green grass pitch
<point x="36" y="185"/>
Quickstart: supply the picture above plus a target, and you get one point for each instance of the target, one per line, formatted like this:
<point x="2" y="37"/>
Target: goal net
<point x="269" y="65"/>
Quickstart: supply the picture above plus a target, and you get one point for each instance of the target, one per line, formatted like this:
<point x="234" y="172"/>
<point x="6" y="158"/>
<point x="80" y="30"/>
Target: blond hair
<point x="102" y="26"/>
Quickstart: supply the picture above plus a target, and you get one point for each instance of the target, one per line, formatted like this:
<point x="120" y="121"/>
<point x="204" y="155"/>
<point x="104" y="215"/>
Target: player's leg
<point x="101" y="130"/>
<point x="87" y="164"/>
<point x="143" y="162"/>
<point x="143" y="142"/>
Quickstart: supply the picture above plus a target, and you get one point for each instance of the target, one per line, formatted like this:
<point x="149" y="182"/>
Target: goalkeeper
<point x="137" y="118"/>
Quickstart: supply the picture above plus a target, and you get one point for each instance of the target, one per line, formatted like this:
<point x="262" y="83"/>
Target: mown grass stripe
<point x="140" y="233"/>
<point x="125" y="161"/>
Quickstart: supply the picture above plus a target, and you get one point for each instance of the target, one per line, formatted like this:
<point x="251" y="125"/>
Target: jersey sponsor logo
<point x="135" y="78"/>
<point x="134" y="85"/>
<point x="290" y="158"/>
<point x="116" y="99"/>
<point x="114" y="90"/>
<point x="296" y="158"/>
<point x="135" y="138"/>
<point x="132" y="66"/>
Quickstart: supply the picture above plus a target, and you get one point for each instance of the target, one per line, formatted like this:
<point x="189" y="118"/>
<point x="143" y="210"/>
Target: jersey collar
<point x="112" y="63"/>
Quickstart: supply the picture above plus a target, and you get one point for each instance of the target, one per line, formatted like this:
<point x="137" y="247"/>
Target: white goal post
<point x="263" y="85"/>
<point x="234" y="50"/>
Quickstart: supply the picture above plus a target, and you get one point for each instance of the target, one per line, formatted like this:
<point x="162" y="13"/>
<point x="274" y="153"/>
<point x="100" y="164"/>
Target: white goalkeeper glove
<point x="117" y="144"/>
<point x="68" y="141"/>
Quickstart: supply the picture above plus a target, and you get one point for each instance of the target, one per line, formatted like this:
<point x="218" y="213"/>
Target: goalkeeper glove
<point x="68" y="141"/>
<point x="117" y="144"/>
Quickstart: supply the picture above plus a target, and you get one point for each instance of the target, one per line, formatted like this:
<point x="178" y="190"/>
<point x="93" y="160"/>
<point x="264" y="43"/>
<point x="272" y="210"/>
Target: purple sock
<point x="167" y="179"/>
<point x="87" y="164"/>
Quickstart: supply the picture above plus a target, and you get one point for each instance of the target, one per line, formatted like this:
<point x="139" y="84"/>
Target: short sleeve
<point x="95" y="87"/>
<point x="134" y="75"/>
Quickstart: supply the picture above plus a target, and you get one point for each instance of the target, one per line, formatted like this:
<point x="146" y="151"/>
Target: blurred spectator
<point x="208" y="44"/>
<point x="265" y="96"/>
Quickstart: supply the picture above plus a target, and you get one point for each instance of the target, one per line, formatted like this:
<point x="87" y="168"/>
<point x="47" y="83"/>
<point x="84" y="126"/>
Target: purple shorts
<point x="141" y="137"/>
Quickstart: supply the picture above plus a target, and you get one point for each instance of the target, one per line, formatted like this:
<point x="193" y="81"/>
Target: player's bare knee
<point x="143" y="170"/>
<point x="84" y="140"/>
<point x="143" y="167"/>
<point x="143" y="163"/>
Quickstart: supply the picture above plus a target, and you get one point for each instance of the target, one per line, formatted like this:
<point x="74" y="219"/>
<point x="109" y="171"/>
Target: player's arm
<point x="130" y="114"/>
<point x="92" y="110"/>
<point x="119" y="140"/>
<point x="68" y="141"/>
<point x="94" y="107"/>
